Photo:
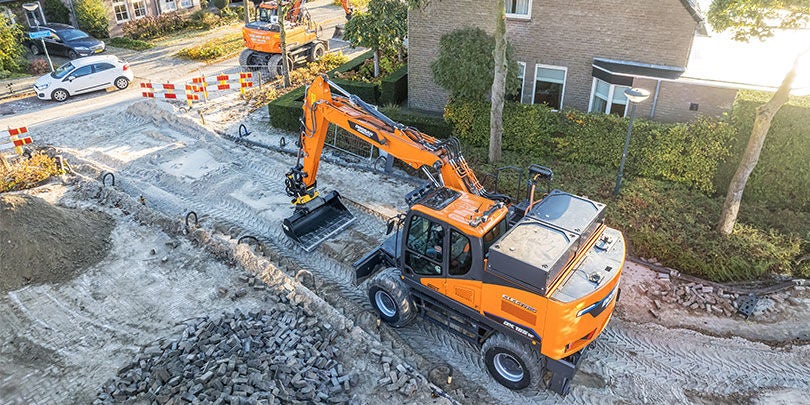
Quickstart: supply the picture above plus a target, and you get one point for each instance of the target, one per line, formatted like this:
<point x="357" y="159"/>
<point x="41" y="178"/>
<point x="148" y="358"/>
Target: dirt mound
<point x="43" y="243"/>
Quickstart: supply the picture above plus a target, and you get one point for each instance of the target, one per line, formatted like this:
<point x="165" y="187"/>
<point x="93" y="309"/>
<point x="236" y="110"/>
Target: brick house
<point x="580" y="54"/>
<point x="123" y="11"/>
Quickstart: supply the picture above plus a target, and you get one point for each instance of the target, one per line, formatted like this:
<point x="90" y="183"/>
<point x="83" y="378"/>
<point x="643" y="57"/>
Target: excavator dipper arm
<point x="421" y="151"/>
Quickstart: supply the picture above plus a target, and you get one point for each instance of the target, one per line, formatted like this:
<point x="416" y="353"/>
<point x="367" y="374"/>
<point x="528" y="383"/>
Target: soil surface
<point x="43" y="243"/>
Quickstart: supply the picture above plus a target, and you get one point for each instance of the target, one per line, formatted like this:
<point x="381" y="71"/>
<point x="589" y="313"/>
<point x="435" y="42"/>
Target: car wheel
<point x="34" y="49"/>
<point x="391" y="298"/>
<point x="60" y="95"/>
<point x="121" y="82"/>
<point x="515" y="365"/>
<point x="72" y="54"/>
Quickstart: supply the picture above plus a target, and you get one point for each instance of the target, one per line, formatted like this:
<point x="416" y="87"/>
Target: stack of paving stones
<point x="710" y="299"/>
<point x="398" y="377"/>
<point x="282" y="355"/>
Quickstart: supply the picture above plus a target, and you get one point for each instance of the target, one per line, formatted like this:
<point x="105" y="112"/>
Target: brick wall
<point x="674" y="100"/>
<point x="568" y="34"/>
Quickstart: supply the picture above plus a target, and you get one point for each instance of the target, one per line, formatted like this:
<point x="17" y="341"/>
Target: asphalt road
<point x="156" y="65"/>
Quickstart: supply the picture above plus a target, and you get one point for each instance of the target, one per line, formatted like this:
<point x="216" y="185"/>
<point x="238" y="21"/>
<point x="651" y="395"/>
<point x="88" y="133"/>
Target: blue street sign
<point x="39" y="34"/>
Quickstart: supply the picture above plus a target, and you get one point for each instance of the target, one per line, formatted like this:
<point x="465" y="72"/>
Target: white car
<point x="84" y="75"/>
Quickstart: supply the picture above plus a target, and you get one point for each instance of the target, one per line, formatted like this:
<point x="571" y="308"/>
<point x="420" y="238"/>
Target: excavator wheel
<point x="391" y="298"/>
<point x="252" y="60"/>
<point x="275" y="67"/>
<point x="317" y="52"/>
<point x="515" y="365"/>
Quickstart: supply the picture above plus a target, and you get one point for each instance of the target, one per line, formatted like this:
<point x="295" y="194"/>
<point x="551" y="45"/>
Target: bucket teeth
<point x="318" y="220"/>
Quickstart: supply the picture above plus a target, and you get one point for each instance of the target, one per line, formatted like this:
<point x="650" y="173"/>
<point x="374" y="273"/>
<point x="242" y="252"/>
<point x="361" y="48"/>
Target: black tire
<point x="60" y="95"/>
<point x="72" y="54"/>
<point x="391" y="298"/>
<point x="121" y="82"/>
<point x="274" y="66"/>
<point x="246" y="59"/>
<point x="34" y="49"/>
<point x="317" y="52"/>
<point x="515" y="365"/>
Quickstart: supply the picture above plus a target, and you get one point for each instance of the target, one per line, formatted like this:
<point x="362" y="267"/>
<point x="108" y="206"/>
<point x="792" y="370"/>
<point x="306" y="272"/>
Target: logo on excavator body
<point x="518" y="303"/>
<point x="365" y="132"/>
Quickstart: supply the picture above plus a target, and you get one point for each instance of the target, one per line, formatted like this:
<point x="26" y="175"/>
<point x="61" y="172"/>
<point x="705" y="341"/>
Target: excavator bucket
<point x="318" y="220"/>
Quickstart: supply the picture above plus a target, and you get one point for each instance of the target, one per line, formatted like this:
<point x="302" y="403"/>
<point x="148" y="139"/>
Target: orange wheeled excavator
<point x="533" y="283"/>
<point x="263" y="39"/>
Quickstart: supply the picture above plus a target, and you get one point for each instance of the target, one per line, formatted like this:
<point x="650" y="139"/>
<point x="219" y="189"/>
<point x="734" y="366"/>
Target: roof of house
<point x="694" y="10"/>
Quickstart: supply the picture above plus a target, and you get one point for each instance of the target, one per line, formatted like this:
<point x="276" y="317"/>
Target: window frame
<point x="190" y="4"/>
<point x="119" y="3"/>
<point x="515" y="16"/>
<point x="165" y="9"/>
<point x="609" y="101"/>
<point x="565" y="80"/>
<point x="135" y="8"/>
<point x="409" y="250"/>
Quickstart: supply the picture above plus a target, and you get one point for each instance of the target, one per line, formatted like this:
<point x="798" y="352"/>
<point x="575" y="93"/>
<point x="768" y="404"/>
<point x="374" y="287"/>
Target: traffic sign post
<point x="41" y="35"/>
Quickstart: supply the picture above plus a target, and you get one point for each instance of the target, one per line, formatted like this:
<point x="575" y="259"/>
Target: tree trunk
<point x="285" y="70"/>
<point x="498" y="86"/>
<point x="762" y="123"/>
<point x="376" y="63"/>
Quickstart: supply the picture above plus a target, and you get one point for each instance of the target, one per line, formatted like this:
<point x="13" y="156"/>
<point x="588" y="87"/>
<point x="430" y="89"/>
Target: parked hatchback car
<point x="84" y="75"/>
<point x="66" y="41"/>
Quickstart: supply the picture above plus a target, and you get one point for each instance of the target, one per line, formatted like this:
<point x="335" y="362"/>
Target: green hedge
<point x="782" y="176"/>
<point x="394" y="88"/>
<point x="432" y="125"/>
<point x="684" y="153"/>
<point x="367" y="92"/>
<point x="285" y="111"/>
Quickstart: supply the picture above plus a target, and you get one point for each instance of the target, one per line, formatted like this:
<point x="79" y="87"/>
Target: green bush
<point x="432" y="125"/>
<point x="394" y="87"/>
<point x="782" y="175"/>
<point x="465" y="67"/>
<point x="150" y="27"/>
<point x="127" y="43"/>
<point x="367" y="92"/>
<point x="285" y="111"/>
<point x="56" y="12"/>
<point x="11" y="49"/>
<point x="685" y="153"/>
<point x="220" y="4"/>
<point x="214" y="49"/>
<point x="92" y="17"/>
<point x="352" y="64"/>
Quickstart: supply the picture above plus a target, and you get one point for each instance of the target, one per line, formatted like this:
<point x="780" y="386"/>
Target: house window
<point x="138" y="8"/>
<point x="519" y="8"/>
<point x="549" y="85"/>
<point x="169" y="5"/>
<point x="186" y="3"/>
<point x="121" y="12"/>
<point x="517" y="96"/>
<point x="608" y="98"/>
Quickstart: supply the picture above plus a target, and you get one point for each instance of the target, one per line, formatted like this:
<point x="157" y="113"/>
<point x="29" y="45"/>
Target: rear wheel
<point x="515" y="365"/>
<point x="391" y="298"/>
<point x="317" y="52"/>
<point x="121" y="83"/>
<point x="60" y="95"/>
<point x="34" y="49"/>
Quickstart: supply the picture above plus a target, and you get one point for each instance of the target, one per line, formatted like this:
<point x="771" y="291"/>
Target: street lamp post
<point x="634" y="96"/>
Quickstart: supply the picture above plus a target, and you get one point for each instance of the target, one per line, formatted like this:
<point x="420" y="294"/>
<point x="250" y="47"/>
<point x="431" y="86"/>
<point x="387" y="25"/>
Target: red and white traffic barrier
<point x="15" y="142"/>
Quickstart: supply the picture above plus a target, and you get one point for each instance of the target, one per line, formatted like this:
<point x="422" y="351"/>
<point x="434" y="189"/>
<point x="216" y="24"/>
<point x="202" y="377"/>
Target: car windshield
<point x="61" y="71"/>
<point x="72" y="35"/>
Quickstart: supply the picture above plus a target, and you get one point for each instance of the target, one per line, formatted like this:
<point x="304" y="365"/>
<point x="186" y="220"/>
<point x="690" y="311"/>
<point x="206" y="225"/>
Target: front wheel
<point x="60" y="95"/>
<point x="391" y="298"/>
<point x="72" y="54"/>
<point x="317" y="52"/>
<point x="121" y="83"/>
<point x="515" y="365"/>
<point x="34" y="49"/>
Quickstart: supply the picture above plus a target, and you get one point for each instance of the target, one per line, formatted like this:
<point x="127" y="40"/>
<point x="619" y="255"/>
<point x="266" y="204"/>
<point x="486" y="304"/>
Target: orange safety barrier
<point x="167" y="91"/>
<point x="15" y="141"/>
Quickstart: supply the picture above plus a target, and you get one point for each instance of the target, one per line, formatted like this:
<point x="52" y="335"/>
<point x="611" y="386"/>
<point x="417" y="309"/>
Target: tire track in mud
<point x="630" y="362"/>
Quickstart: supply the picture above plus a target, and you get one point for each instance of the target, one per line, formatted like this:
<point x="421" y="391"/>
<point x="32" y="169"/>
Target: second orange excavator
<point x="263" y="37"/>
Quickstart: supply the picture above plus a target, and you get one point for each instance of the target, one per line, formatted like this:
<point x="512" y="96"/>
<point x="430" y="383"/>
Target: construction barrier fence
<point x="16" y="142"/>
<point x="199" y="89"/>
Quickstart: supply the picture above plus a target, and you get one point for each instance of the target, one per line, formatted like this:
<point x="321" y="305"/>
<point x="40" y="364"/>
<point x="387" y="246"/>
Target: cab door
<point x="424" y="253"/>
<point x="459" y="286"/>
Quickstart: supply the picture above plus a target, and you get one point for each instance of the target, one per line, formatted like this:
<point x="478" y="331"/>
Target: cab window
<point x="424" y="253"/>
<point x="490" y="237"/>
<point x="460" y="257"/>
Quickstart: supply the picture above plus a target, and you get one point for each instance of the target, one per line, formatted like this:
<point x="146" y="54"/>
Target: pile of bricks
<point x="266" y="357"/>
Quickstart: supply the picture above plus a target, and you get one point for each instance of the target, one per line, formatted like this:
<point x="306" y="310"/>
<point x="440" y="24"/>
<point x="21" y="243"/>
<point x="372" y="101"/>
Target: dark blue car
<point x="65" y="40"/>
